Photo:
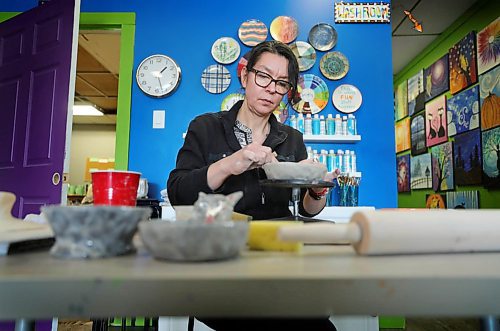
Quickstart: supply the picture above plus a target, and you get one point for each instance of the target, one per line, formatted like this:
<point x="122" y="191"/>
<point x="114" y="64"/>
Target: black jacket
<point x="211" y="137"/>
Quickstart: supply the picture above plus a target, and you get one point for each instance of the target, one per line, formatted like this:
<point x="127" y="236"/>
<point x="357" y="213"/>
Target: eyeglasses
<point x="264" y="80"/>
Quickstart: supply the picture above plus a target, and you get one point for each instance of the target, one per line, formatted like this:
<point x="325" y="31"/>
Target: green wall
<point x="475" y="19"/>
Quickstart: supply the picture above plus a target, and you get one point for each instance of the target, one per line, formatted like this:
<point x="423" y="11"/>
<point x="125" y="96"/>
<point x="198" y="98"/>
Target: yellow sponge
<point x="263" y="235"/>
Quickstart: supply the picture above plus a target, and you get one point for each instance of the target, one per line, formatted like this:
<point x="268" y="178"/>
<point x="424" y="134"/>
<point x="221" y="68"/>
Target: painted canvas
<point x="442" y="167"/>
<point x="403" y="172"/>
<point x="488" y="47"/>
<point x="435" y="201"/>
<point x="468" y="158"/>
<point x="463" y="111"/>
<point x="403" y="135"/>
<point x="436" y="78"/>
<point x="420" y="173"/>
<point x="491" y="158"/>
<point x="462" y="200"/>
<point x="436" y="130"/>
<point x="401" y="101"/>
<point x="489" y="92"/>
<point x="462" y="62"/>
<point x="416" y="95"/>
<point x="417" y="129"/>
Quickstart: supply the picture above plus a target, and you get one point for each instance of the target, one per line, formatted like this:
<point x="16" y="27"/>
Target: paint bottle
<point x="330" y="161"/>
<point x="315" y="155"/>
<point x="340" y="159"/>
<point x="346" y="162"/>
<point x="330" y="125"/>
<point x="322" y="125"/>
<point x="344" y="125"/>
<point x="323" y="156"/>
<point x="310" y="155"/>
<point x="300" y="123"/>
<point x="293" y="121"/>
<point x="315" y="125"/>
<point x="353" y="162"/>
<point x="308" y="125"/>
<point x="351" y="124"/>
<point x="338" y="125"/>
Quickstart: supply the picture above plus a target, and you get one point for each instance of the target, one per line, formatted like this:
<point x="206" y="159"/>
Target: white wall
<point x="89" y="140"/>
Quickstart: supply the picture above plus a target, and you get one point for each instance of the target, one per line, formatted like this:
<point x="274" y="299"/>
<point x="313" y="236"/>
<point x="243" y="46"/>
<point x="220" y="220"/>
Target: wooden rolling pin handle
<point x="7" y="200"/>
<point x="321" y="233"/>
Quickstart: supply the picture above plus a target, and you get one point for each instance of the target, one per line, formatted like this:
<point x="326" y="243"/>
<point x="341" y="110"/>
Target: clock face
<point x="158" y="75"/>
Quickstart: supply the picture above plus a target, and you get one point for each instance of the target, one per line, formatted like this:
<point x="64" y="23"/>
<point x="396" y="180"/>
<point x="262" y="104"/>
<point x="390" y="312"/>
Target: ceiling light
<point x="86" y="110"/>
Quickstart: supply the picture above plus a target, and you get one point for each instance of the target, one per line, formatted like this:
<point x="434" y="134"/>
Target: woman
<point x="223" y="153"/>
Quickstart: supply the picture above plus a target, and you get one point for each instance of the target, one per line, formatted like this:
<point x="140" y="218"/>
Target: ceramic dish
<point x="284" y="29"/>
<point x="347" y="98"/>
<point x="252" y="32"/>
<point x="194" y="241"/>
<point x="295" y="171"/>
<point x="215" y="78"/>
<point x="305" y="54"/>
<point x="230" y="100"/>
<point x="334" y="65"/>
<point x="312" y="94"/>
<point x="241" y="64"/>
<point x="225" y="50"/>
<point x="323" y="37"/>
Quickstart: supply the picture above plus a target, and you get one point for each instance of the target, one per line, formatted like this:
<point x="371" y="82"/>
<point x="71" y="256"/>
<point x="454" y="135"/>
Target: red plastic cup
<point x="115" y="187"/>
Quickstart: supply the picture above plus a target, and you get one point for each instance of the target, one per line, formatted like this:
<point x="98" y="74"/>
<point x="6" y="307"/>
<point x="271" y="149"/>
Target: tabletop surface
<point x="321" y="280"/>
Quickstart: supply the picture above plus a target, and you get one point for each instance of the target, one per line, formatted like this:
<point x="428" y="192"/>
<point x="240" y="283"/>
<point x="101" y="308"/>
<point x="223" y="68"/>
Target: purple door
<point x="35" y="65"/>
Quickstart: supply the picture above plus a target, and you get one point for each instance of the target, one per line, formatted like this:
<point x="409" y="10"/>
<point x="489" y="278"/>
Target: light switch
<point x="158" y="119"/>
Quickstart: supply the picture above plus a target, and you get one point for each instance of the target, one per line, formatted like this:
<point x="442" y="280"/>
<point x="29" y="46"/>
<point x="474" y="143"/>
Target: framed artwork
<point x="403" y="173"/>
<point x="401" y="101"/>
<point x="403" y="135"/>
<point x="462" y="62"/>
<point x="489" y="92"/>
<point x="488" y="47"/>
<point x="436" y="129"/>
<point x="420" y="173"/>
<point x="435" y="201"/>
<point x="463" y="111"/>
<point x="417" y="132"/>
<point x="491" y="158"/>
<point x="416" y="96"/>
<point x="468" y="158"/>
<point x="436" y="78"/>
<point x="462" y="200"/>
<point x="442" y="167"/>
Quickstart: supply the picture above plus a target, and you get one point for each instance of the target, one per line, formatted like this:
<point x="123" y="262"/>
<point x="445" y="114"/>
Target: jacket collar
<point x="276" y="135"/>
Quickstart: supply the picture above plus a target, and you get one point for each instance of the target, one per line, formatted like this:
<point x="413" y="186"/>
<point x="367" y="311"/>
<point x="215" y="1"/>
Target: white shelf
<point x="332" y="138"/>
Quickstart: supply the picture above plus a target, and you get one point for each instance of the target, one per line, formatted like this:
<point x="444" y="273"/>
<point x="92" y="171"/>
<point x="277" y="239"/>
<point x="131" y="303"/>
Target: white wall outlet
<point x="158" y="119"/>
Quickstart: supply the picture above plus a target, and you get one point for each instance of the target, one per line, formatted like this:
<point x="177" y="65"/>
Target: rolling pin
<point x="380" y="232"/>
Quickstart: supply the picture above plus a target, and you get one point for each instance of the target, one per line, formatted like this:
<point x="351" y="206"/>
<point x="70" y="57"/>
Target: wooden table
<point x="322" y="280"/>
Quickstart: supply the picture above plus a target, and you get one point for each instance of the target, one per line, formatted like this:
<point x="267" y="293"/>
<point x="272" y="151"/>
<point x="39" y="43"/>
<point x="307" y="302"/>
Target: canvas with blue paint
<point x="491" y="158"/>
<point x="468" y="158"/>
<point x="421" y="168"/>
<point x="436" y="78"/>
<point x="462" y="200"/>
<point x="463" y="111"/>
<point x="489" y="91"/>
<point x="442" y="167"/>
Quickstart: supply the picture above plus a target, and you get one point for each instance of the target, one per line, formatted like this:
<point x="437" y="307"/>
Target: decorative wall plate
<point x="281" y="112"/>
<point x="225" y="50"/>
<point x="230" y="100"/>
<point x="323" y="37"/>
<point x="284" y="29"/>
<point x="334" y="65"/>
<point x="252" y="32"/>
<point x="241" y="64"/>
<point x="347" y="98"/>
<point x="305" y="54"/>
<point x="312" y="94"/>
<point x="215" y="78"/>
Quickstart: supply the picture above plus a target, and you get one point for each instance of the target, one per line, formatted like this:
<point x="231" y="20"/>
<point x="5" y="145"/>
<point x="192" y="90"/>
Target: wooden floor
<point x="444" y="324"/>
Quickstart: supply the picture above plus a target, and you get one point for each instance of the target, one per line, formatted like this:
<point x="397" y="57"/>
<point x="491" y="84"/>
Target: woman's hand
<point x="249" y="157"/>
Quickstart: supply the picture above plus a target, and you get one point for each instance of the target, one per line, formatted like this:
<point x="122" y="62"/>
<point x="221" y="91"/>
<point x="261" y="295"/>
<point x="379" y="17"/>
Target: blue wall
<point x="185" y="31"/>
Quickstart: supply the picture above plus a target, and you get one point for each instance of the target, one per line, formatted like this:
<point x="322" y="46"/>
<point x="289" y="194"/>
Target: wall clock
<point x="158" y="76"/>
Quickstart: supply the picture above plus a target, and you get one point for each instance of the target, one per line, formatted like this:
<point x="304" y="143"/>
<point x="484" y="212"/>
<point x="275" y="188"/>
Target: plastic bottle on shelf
<point x="338" y="125"/>
<point x="310" y="155"/>
<point x="316" y="125"/>
<point x="344" y="125"/>
<point x="323" y="156"/>
<point x="351" y="124"/>
<point x="293" y="121"/>
<point x="340" y="160"/>
<point x="346" y="166"/>
<point x="322" y="125"/>
<point x="330" y="125"/>
<point x="315" y="154"/>
<point x="300" y="123"/>
<point x="353" y="162"/>
<point x="330" y="161"/>
<point x="308" y="124"/>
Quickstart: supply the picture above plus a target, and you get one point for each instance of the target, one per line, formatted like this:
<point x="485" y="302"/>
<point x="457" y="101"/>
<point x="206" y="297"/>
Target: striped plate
<point x="252" y="32"/>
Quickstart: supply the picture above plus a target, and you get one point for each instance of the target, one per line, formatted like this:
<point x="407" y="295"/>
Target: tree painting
<point x="421" y="172"/>
<point x="468" y="158"/>
<point x="442" y="167"/>
<point x="491" y="158"/>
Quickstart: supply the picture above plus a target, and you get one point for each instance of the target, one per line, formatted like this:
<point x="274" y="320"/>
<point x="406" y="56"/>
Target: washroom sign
<point x="356" y="12"/>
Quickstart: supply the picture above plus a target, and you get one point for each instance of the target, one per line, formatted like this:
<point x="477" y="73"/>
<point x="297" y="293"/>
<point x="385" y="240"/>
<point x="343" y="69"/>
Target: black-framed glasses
<point x="264" y="80"/>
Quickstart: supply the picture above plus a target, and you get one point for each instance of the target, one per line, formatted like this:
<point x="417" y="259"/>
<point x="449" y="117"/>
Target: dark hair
<point x="279" y="48"/>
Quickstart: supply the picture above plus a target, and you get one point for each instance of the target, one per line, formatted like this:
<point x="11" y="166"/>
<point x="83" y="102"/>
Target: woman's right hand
<point x="250" y="157"/>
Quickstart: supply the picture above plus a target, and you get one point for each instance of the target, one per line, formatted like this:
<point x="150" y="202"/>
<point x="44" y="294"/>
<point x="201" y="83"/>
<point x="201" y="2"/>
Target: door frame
<point x="126" y="23"/>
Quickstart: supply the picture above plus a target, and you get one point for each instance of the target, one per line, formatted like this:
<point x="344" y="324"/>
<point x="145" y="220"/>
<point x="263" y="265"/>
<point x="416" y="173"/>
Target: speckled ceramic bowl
<point x="194" y="241"/>
<point x="93" y="231"/>
<point x="294" y="170"/>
